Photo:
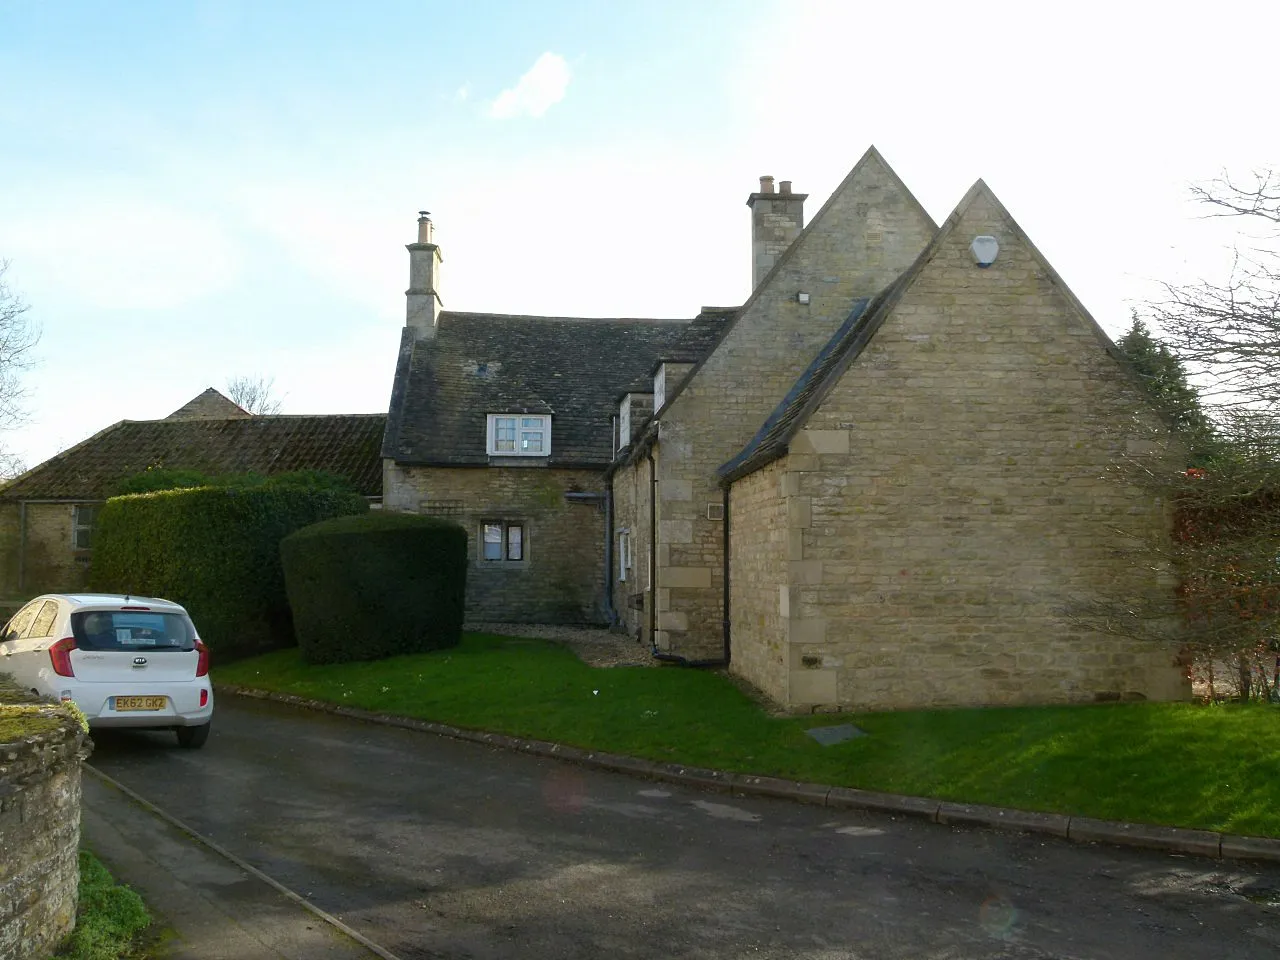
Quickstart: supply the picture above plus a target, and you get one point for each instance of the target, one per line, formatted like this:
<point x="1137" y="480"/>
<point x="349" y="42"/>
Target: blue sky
<point x="195" y="190"/>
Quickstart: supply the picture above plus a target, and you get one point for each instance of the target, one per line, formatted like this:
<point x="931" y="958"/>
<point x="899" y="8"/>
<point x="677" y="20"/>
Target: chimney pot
<point x="776" y="220"/>
<point x="784" y="186"/>
<point x="422" y="307"/>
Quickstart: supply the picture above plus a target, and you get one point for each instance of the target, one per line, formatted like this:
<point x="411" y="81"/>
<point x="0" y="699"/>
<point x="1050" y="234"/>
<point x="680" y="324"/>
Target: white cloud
<point x="462" y="93"/>
<point x="536" y="92"/>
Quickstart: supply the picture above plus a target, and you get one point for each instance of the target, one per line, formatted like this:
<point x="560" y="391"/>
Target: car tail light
<point x="204" y="698"/>
<point x="202" y="665"/>
<point x="60" y="656"/>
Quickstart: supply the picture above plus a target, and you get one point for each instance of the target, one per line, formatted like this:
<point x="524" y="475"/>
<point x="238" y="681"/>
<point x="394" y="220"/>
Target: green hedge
<point x="364" y="588"/>
<point x="216" y="550"/>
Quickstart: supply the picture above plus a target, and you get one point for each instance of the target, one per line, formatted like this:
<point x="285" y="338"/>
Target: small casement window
<point x="624" y="554"/>
<point x="502" y="540"/>
<point x="517" y="435"/>
<point x="83" y="518"/>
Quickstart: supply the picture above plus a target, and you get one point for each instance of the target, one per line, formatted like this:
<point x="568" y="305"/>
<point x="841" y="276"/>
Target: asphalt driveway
<point x="434" y="848"/>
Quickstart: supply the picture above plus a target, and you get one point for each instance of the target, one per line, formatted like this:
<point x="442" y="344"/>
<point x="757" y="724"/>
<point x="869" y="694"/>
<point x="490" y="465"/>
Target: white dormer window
<point x="624" y="422"/>
<point x="517" y="435"/>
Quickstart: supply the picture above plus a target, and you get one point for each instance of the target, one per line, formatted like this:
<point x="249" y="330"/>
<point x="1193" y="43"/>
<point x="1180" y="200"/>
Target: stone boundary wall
<point x="39" y="839"/>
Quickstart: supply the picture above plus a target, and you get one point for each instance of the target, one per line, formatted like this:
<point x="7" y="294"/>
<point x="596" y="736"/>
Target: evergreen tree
<point x="1165" y="379"/>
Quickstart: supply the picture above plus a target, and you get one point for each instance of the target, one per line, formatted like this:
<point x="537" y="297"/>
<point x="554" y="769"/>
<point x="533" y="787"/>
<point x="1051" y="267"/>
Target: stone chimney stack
<point x="776" y="220"/>
<point x="423" y="296"/>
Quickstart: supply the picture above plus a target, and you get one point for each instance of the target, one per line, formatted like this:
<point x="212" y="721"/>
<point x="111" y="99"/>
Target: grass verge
<point x="110" y="920"/>
<point x="1214" y="768"/>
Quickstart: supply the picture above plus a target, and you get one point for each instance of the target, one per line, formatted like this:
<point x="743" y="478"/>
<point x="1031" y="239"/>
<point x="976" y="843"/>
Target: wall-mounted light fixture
<point x="985" y="250"/>
<point x="802" y="298"/>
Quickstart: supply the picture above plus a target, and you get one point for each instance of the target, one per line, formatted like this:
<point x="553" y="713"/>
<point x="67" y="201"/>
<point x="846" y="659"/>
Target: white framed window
<point x="518" y="435"/>
<point x="502" y="541"/>
<point x="83" y="517"/>
<point x="624" y="554"/>
<point x="624" y="422"/>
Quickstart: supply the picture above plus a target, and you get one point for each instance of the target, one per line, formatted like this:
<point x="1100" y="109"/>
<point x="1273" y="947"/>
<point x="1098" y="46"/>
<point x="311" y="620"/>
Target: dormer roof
<point x="569" y="367"/>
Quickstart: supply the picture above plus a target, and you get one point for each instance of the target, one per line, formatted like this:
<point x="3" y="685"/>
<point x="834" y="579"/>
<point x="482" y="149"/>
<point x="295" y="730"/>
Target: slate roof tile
<point x="344" y="444"/>
<point x="210" y="405"/>
<point x="773" y="437"/>
<point x="570" y="368"/>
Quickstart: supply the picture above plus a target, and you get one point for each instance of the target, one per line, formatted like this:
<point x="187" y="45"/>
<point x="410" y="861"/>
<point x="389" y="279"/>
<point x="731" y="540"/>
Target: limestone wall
<point x="757" y="578"/>
<point x="631" y="597"/>
<point x="9" y="539"/>
<point x="50" y="564"/>
<point x="967" y="484"/>
<point x="39" y="838"/>
<point x="562" y="578"/>
<point x="866" y="235"/>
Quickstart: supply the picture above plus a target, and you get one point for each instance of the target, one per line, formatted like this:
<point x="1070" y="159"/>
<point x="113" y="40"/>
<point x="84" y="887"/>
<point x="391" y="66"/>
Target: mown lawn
<point x="1185" y="765"/>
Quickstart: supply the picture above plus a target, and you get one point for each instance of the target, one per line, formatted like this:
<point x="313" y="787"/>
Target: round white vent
<point x="984" y="250"/>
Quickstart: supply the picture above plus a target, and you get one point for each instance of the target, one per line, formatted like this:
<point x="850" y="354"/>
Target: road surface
<point x="435" y="848"/>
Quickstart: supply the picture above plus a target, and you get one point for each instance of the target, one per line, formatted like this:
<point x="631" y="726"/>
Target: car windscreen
<point x="131" y="630"/>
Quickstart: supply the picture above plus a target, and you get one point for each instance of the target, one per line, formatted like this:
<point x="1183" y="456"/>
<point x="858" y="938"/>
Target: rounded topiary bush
<point x="215" y="550"/>
<point x="368" y="587"/>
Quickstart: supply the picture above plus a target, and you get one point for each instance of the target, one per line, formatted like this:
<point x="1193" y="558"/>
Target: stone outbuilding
<point x="47" y="514"/>
<point x="886" y="480"/>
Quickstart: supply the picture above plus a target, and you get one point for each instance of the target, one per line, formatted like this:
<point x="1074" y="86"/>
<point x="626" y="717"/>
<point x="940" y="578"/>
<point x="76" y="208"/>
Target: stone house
<point x="883" y="481"/>
<point x="47" y="514"/>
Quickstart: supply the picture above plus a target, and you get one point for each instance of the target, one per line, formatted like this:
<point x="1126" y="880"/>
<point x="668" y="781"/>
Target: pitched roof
<point x="774" y="437"/>
<point x="344" y="444"/>
<point x="770" y="441"/>
<point x="210" y="405"/>
<point x="872" y="156"/>
<point x="570" y="368"/>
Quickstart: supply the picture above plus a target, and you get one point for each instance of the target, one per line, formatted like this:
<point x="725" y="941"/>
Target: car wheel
<point x="193" y="738"/>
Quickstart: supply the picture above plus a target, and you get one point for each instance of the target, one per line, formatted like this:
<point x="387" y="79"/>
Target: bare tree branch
<point x="18" y="338"/>
<point x="1262" y="199"/>
<point x="1228" y="332"/>
<point x="255" y="394"/>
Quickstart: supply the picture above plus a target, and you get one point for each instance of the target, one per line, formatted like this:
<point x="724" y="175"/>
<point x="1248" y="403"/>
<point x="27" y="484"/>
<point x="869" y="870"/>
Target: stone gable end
<point x="959" y="491"/>
<point x="870" y="230"/>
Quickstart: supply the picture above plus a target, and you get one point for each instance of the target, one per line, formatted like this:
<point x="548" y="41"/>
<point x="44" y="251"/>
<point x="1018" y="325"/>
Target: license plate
<point x="129" y="704"/>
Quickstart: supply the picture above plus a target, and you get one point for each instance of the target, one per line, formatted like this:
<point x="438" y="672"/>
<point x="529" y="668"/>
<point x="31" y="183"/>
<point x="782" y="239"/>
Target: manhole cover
<point x="837" y="734"/>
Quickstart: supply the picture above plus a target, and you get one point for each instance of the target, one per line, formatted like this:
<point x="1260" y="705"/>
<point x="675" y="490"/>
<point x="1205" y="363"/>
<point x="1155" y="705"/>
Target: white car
<point x="125" y="661"/>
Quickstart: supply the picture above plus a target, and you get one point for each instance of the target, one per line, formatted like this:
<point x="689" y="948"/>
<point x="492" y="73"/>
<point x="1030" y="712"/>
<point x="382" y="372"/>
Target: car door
<point x="13" y="653"/>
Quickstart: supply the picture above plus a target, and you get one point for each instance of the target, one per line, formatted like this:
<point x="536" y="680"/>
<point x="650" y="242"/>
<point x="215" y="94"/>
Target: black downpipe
<point x="653" y="560"/>
<point x="610" y="614"/>
<point x="725" y="577"/>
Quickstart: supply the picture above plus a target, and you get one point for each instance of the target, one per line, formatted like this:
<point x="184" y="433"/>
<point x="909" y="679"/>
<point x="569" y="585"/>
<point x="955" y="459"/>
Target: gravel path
<point x="595" y="647"/>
